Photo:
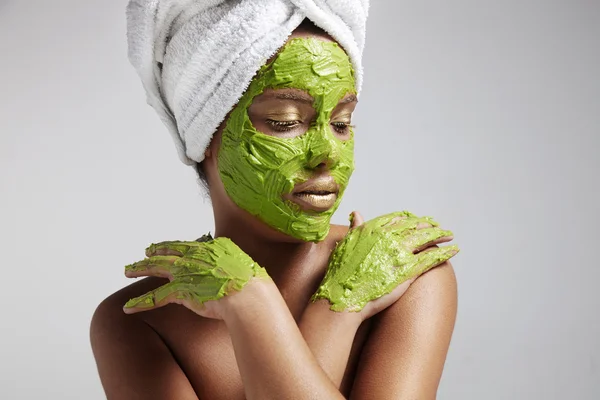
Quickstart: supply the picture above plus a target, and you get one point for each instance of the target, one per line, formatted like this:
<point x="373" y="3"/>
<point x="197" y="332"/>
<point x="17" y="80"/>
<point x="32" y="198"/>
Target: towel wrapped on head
<point x="196" y="58"/>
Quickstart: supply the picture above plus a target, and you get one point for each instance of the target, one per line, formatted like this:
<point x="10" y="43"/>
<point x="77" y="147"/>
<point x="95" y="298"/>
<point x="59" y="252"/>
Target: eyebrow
<point x="350" y="99"/>
<point x="305" y="98"/>
<point x="295" y="96"/>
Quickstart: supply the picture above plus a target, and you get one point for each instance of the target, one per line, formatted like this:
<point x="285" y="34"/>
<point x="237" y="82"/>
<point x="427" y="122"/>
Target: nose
<point x="323" y="149"/>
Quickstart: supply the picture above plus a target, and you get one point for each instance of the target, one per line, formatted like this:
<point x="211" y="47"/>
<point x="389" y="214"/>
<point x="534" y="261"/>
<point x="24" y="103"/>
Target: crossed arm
<point x="402" y="358"/>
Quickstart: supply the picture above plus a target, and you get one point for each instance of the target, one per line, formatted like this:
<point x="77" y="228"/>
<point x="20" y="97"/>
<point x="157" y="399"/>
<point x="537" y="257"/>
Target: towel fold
<point x="196" y="58"/>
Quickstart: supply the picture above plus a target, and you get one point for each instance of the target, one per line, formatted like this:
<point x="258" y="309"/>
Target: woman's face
<point x="287" y="150"/>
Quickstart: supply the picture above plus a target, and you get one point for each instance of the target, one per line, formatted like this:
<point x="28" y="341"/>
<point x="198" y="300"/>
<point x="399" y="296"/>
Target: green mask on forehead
<point x="258" y="169"/>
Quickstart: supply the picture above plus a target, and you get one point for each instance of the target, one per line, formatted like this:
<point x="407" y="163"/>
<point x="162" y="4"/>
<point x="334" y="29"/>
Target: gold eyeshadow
<point x="283" y="116"/>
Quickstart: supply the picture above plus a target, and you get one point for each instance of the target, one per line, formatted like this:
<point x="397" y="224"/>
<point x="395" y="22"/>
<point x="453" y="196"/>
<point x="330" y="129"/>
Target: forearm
<point x="330" y="336"/>
<point x="273" y="358"/>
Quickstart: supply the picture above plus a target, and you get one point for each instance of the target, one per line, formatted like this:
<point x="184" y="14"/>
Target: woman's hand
<point x="377" y="261"/>
<point x="200" y="274"/>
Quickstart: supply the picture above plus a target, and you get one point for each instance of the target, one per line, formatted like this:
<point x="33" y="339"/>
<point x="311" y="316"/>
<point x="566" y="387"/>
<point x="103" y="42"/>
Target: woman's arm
<point x="402" y="359"/>
<point x="273" y="358"/>
<point x="330" y="336"/>
<point x="406" y="350"/>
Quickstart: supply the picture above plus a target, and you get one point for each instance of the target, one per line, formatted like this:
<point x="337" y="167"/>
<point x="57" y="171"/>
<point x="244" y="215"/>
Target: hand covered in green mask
<point x="199" y="272"/>
<point x="378" y="256"/>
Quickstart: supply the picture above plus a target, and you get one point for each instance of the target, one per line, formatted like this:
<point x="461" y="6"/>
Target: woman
<point x="280" y="304"/>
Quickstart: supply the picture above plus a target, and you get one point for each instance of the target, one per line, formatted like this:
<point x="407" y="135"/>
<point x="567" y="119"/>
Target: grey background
<point x="483" y="114"/>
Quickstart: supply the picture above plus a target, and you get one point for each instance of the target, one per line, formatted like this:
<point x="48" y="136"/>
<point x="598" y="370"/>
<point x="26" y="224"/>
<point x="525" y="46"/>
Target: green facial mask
<point x="258" y="169"/>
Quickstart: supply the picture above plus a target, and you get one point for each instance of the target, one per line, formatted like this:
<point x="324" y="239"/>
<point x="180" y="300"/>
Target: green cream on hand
<point x="202" y="272"/>
<point x="258" y="169"/>
<point x="376" y="257"/>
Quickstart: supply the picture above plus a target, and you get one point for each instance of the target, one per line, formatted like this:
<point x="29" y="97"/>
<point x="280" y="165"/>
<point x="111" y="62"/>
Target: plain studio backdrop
<point x="483" y="114"/>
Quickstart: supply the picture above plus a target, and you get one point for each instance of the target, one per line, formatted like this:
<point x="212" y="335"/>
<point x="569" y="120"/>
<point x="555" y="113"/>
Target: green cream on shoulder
<point x="204" y="271"/>
<point x="376" y="257"/>
<point x="258" y="169"/>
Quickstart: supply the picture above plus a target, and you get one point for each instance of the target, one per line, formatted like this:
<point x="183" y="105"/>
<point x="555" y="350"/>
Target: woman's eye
<point x="283" y="126"/>
<point x="341" y="127"/>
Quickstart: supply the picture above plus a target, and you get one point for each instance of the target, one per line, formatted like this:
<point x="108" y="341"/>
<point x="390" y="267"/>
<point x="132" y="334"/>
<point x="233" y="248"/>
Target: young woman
<point x="280" y="304"/>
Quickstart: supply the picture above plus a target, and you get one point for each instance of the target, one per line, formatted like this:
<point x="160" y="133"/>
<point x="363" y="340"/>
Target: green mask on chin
<point x="258" y="169"/>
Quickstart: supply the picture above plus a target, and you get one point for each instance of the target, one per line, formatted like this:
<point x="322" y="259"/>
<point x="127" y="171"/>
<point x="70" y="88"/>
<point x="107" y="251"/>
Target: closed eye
<point x="283" y="126"/>
<point x="342" y="127"/>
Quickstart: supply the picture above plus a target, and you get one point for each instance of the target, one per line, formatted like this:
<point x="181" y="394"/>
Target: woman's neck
<point x="286" y="260"/>
<point x="268" y="251"/>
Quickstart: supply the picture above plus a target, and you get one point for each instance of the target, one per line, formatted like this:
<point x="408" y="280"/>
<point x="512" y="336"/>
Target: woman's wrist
<point x="319" y="311"/>
<point x="257" y="296"/>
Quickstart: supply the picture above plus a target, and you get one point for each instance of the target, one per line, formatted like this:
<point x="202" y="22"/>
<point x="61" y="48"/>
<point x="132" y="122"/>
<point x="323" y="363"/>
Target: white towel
<point x="196" y="58"/>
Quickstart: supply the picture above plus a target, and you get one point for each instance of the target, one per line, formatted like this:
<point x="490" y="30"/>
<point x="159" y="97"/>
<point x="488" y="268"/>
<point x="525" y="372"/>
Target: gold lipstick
<point x="317" y="194"/>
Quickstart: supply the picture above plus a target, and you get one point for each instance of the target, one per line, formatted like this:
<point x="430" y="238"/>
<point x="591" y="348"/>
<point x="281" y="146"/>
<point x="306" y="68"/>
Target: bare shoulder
<point x="109" y="313"/>
<point x="410" y="340"/>
<point x="132" y="359"/>
<point x="169" y="352"/>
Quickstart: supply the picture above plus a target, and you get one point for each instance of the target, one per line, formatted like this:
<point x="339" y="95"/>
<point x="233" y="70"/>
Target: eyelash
<point x="284" y="126"/>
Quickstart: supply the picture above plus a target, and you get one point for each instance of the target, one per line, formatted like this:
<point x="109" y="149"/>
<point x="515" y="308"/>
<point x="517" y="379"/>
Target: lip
<point x="317" y="194"/>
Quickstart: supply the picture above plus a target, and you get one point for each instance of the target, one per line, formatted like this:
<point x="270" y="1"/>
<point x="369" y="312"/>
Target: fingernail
<point x="144" y="301"/>
<point x="150" y="249"/>
<point x="454" y="249"/>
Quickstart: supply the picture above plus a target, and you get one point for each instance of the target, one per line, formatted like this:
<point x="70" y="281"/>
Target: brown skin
<point x="394" y="348"/>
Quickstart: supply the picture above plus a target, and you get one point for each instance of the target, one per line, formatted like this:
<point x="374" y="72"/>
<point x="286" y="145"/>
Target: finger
<point x="434" y="243"/>
<point x="405" y="216"/>
<point x="429" y="259"/>
<point x="356" y="219"/>
<point x="172" y="292"/>
<point x="431" y="221"/>
<point x="394" y="217"/>
<point x="423" y="225"/>
<point x="156" y="298"/>
<point x="173" y="248"/>
<point x="151" y="266"/>
<point x="422" y="238"/>
<point x="400" y="224"/>
<point x="192" y="293"/>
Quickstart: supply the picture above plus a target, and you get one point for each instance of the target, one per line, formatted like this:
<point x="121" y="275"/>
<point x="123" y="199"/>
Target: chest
<point x="203" y="349"/>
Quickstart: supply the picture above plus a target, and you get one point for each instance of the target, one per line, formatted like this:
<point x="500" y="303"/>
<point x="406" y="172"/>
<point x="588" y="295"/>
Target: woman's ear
<point x="207" y="153"/>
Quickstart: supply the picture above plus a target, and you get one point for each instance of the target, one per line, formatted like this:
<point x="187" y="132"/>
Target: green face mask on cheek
<point x="258" y="169"/>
